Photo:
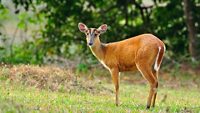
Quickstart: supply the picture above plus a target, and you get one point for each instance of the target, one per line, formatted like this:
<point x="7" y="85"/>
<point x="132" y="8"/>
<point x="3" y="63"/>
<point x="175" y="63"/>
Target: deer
<point x="143" y="53"/>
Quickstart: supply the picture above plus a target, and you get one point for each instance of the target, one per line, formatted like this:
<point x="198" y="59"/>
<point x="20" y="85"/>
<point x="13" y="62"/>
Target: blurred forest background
<point x="45" y="31"/>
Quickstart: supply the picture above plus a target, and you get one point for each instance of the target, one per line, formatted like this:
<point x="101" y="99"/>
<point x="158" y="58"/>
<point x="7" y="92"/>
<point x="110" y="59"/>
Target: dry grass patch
<point x="50" y="78"/>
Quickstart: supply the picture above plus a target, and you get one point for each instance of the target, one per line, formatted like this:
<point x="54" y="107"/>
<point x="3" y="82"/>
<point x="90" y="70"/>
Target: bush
<point x="26" y="53"/>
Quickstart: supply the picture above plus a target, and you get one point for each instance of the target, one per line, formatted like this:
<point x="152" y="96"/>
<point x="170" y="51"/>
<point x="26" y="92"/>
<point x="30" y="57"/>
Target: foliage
<point x="164" y="18"/>
<point x="173" y="30"/>
<point x="32" y="54"/>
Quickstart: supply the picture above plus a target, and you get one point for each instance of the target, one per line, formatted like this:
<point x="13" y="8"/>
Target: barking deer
<point x="143" y="53"/>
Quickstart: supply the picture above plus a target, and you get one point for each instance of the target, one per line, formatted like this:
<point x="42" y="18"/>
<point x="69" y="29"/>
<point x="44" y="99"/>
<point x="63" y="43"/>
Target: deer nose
<point x="90" y="44"/>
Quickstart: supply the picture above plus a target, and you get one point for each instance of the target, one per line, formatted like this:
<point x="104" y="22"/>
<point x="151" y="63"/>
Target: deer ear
<point x="82" y="27"/>
<point x="102" y="28"/>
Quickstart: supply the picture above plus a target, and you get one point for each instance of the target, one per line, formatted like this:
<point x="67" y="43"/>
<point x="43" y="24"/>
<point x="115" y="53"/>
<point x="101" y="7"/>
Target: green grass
<point x="19" y="98"/>
<point x="35" y="89"/>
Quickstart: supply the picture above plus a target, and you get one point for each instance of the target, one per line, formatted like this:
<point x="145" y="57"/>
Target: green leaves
<point x="58" y="21"/>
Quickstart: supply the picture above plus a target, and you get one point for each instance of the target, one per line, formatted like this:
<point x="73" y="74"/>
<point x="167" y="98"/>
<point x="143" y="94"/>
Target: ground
<point x="25" y="88"/>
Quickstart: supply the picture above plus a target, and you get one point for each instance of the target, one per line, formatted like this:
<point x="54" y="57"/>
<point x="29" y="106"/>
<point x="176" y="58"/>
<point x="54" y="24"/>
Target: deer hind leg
<point x="115" y="78"/>
<point x="155" y="73"/>
<point x="146" y="71"/>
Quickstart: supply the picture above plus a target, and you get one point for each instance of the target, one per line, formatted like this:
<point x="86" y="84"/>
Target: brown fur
<point x="124" y="54"/>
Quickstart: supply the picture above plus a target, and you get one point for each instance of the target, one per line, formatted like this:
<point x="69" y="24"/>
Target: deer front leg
<point x="115" y="78"/>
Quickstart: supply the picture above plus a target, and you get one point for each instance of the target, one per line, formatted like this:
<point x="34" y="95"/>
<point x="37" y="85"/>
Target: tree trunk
<point x="192" y="34"/>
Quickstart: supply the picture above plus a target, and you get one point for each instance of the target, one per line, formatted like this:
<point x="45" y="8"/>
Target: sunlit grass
<point x="27" y="89"/>
<point x="16" y="98"/>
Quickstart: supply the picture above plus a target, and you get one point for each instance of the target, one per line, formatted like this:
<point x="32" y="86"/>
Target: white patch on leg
<point x="156" y="66"/>
<point x="140" y="71"/>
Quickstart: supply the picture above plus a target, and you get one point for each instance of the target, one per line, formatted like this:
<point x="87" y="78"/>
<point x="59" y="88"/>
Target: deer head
<point x="92" y="34"/>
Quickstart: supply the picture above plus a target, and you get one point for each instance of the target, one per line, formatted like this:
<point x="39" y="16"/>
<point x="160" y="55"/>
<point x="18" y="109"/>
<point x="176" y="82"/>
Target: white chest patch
<point x="102" y="62"/>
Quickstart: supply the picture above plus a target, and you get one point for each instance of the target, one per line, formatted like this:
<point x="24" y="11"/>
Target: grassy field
<point x="22" y="90"/>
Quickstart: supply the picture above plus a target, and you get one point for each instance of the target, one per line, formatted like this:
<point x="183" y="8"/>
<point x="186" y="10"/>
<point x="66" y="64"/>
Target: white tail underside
<point x="156" y="65"/>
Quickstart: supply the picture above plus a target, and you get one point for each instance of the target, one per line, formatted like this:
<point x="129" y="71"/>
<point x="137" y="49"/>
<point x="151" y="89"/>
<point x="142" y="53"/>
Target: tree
<point x="192" y="32"/>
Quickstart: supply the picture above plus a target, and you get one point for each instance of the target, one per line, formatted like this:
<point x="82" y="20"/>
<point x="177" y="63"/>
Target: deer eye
<point x="87" y="32"/>
<point x="97" y="32"/>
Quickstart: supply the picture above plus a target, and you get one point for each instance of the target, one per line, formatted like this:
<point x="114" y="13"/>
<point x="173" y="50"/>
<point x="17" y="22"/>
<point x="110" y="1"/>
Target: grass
<point x="17" y="97"/>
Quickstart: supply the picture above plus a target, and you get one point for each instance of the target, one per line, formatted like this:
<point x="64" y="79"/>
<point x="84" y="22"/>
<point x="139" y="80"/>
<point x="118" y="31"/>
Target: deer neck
<point x="98" y="49"/>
